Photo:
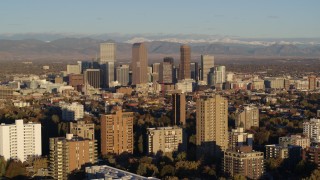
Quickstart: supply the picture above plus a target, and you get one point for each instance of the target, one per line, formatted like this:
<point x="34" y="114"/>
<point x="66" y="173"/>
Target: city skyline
<point x="272" y="19"/>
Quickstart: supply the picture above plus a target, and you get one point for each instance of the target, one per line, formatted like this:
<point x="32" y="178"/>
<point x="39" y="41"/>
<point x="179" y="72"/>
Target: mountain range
<point x="57" y="47"/>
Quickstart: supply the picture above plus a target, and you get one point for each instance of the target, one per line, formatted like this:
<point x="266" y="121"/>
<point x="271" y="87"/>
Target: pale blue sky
<point x="243" y="18"/>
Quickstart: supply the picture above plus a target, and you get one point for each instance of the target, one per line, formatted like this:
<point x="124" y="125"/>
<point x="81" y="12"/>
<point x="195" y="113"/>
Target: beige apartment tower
<point x="117" y="133"/>
<point x="82" y="129"/>
<point x="207" y="62"/>
<point x="107" y="52"/>
<point x="139" y="64"/>
<point x="212" y="125"/>
<point x="248" y="117"/>
<point x="165" y="139"/>
<point x="184" y="68"/>
<point x="70" y="153"/>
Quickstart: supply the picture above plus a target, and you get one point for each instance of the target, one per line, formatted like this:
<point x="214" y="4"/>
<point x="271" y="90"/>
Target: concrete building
<point x="72" y="112"/>
<point x="219" y="75"/>
<point x="20" y="140"/>
<point x="296" y="140"/>
<point x="107" y="52"/>
<point x="92" y="78"/>
<point x="139" y="64"/>
<point x="244" y="162"/>
<point x="73" y="69"/>
<point x="312" y="82"/>
<point x="122" y="75"/>
<point x="117" y="132"/>
<point x="165" y="139"/>
<point x="82" y="129"/>
<point x="185" y="85"/>
<point x="212" y="124"/>
<point x="194" y="70"/>
<point x="69" y="154"/>
<point x="237" y="138"/>
<point x="178" y="108"/>
<point x="274" y="83"/>
<point x="6" y="92"/>
<point x="247" y="117"/>
<point x="258" y="84"/>
<point x="76" y="80"/>
<point x="105" y="172"/>
<point x="276" y="151"/>
<point x="207" y="62"/>
<point x="312" y="154"/>
<point x="184" y="68"/>
<point x="311" y="129"/>
<point x="165" y="72"/>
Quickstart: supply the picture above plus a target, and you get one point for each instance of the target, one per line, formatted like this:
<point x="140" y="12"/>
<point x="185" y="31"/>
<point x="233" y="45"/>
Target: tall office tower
<point x="312" y="82"/>
<point x="194" y="69"/>
<point x="165" y="139"/>
<point x="311" y="129"/>
<point x="244" y="162"/>
<point x="207" y="62"/>
<point x="178" y="108"/>
<point x="117" y="132"/>
<point x="107" y="74"/>
<point x="92" y="78"/>
<point x="237" y="138"/>
<point x="184" y="68"/>
<point x="247" y="117"/>
<point x="69" y="154"/>
<point x="122" y="75"/>
<point x="107" y="52"/>
<point x="73" y="69"/>
<point x="139" y="64"/>
<point x="20" y="140"/>
<point x="76" y="80"/>
<point x="220" y="74"/>
<point x="212" y="124"/>
<point x="72" y="112"/>
<point x="82" y="129"/>
<point x="165" y="72"/>
<point x="155" y="67"/>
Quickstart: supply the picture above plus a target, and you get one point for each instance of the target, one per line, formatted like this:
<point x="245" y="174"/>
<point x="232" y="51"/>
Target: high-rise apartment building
<point x="72" y="112"/>
<point x="244" y="162"/>
<point x="69" y="154"/>
<point x="184" y="68"/>
<point x="237" y="138"/>
<point x="92" y="78"/>
<point x="117" y="132"/>
<point x="247" y="117"/>
<point x="165" y="139"/>
<point x="82" y="129"/>
<point x="139" y="64"/>
<point x="107" y="52"/>
<point x="122" y="75"/>
<point x="212" y="124"/>
<point x="312" y="82"/>
<point x="178" y="108"/>
<point x="296" y="140"/>
<point x="207" y="62"/>
<point x="20" y="140"/>
<point x="311" y="129"/>
<point x="165" y="72"/>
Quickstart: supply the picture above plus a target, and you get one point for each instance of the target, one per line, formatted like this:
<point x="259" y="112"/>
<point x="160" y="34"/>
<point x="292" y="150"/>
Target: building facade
<point x="82" y="129"/>
<point x="122" y="75"/>
<point x="139" y="64"/>
<point x="178" y="108"/>
<point x="237" y="138"/>
<point x="72" y="112"/>
<point x="92" y="78"/>
<point x="207" y="62"/>
<point x="20" y="140"/>
<point x="247" y="117"/>
<point x="107" y="52"/>
<point x="311" y="129"/>
<point x="184" y="68"/>
<point x="117" y="132"/>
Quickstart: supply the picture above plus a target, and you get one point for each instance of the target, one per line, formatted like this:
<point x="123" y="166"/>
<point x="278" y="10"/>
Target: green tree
<point x="167" y="170"/>
<point x="239" y="177"/>
<point x="15" y="168"/>
<point x="142" y="169"/>
<point x="3" y="165"/>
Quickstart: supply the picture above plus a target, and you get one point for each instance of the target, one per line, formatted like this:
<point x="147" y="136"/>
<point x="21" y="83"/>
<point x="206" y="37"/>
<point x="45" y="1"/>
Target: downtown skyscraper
<point x="184" y="68"/>
<point x="207" y="62"/>
<point x="139" y="64"/>
<point x="107" y="60"/>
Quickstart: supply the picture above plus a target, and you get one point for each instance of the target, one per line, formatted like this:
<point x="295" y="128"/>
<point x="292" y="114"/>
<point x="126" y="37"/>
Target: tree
<point x="55" y="118"/>
<point x="3" y="165"/>
<point x="142" y="169"/>
<point x="315" y="175"/>
<point x="239" y="177"/>
<point x="14" y="169"/>
<point x="140" y="144"/>
<point x="167" y="170"/>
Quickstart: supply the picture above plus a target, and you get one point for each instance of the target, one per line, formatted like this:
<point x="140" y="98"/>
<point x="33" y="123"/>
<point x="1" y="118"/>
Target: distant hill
<point x="88" y="48"/>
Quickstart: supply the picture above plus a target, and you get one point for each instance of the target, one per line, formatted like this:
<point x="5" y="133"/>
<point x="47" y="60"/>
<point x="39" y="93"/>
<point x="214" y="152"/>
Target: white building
<point x="72" y="112"/>
<point x="185" y="85"/>
<point x="19" y="140"/>
<point x="311" y="129"/>
<point x="73" y="69"/>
